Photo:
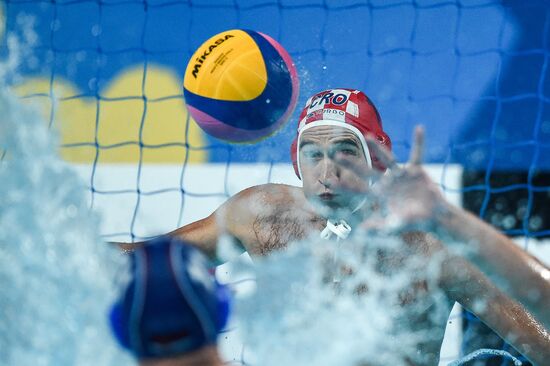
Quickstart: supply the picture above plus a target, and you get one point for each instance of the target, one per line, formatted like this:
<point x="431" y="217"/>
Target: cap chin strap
<point x="340" y="228"/>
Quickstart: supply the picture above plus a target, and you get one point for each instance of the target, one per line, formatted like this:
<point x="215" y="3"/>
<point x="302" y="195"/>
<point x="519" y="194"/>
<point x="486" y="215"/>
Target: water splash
<point x="323" y="303"/>
<point x="56" y="274"/>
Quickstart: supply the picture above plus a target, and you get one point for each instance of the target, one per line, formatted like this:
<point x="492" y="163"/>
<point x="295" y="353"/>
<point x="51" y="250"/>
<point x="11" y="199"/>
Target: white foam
<point x="56" y="275"/>
<point x="298" y="316"/>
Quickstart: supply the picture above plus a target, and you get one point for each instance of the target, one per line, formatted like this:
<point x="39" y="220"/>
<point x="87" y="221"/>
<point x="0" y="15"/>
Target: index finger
<point x="417" y="150"/>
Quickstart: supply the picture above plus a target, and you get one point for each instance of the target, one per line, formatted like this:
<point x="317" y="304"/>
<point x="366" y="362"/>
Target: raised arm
<point x="414" y="199"/>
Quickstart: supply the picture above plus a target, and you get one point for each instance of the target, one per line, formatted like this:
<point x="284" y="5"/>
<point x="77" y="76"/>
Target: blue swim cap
<point x="172" y="305"/>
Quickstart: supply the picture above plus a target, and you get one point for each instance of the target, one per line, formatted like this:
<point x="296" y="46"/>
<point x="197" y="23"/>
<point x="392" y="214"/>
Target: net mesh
<point x="108" y="75"/>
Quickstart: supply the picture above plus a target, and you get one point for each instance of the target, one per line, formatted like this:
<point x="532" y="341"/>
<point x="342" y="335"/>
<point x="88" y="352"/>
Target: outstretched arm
<point x="203" y="234"/>
<point x="234" y="218"/>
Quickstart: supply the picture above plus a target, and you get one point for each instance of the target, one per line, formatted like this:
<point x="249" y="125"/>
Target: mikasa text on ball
<point x="240" y="86"/>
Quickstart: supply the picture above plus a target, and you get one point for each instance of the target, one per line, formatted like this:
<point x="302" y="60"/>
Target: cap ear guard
<point x="119" y="331"/>
<point x="294" y="156"/>
<point x="384" y="140"/>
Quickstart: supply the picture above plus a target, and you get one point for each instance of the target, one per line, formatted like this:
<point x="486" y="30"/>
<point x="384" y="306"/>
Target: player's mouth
<point x="326" y="196"/>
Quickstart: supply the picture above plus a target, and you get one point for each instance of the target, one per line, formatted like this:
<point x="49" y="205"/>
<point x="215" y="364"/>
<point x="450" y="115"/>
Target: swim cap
<point x="347" y="108"/>
<point x="172" y="305"/>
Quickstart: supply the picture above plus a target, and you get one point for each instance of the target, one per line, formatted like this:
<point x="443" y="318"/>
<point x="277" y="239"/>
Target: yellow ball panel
<point x="229" y="66"/>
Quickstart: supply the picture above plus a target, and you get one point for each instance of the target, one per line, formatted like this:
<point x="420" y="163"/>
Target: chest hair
<point x="283" y="226"/>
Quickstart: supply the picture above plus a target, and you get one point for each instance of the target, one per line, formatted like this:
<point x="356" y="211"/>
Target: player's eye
<point x="312" y="153"/>
<point x="315" y="154"/>
<point x="348" y="151"/>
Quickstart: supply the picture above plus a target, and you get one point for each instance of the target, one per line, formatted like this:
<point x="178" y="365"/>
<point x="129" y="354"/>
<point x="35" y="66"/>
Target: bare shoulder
<point x="267" y="217"/>
<point x="266" y="197"/>
<point x="273" y="191"/>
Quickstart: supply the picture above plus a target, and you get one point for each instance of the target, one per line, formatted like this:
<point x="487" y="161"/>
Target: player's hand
<point x="405" y="195"/>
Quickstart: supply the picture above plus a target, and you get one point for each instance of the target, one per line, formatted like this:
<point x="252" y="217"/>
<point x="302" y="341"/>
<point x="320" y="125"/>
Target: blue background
<point x="475" y="72"/>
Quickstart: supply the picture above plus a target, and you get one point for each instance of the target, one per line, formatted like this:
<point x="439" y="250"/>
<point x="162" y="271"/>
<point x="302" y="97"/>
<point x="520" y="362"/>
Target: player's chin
<point x="338" y="205"/>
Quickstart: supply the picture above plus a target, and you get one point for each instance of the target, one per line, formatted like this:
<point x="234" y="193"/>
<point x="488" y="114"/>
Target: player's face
<point x="325" y="180"/>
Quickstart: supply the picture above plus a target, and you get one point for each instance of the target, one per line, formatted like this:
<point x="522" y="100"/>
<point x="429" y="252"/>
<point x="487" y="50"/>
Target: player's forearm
<point x="516" y="326"/>
<point x="201" y="235"/>
<point x="514" y="270"/>
<point x="472" y="289"/>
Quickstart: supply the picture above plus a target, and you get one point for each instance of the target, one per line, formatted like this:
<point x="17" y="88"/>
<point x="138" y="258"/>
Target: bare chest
<point x="283" y="226"/>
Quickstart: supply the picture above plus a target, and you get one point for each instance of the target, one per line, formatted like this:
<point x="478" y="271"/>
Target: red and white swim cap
<point x="347" y="108"/>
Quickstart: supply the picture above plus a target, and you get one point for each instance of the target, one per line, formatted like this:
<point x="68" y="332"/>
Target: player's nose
<point x="329" y="171"/>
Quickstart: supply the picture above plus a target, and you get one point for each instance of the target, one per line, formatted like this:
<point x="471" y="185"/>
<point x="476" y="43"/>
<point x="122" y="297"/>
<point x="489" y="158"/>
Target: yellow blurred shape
<point x="120" y="117"/>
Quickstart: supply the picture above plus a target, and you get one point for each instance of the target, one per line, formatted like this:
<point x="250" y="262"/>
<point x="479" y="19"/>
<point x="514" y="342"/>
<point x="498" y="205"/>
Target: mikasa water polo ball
<point x="240" y="86"/>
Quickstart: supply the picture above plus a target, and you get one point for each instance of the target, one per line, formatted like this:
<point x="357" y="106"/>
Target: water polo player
<point x="172" y="310"/>
<point x="339" y="150"/>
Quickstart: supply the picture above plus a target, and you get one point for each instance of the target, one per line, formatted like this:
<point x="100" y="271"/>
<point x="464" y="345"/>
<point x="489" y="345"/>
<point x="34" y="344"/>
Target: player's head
<point x="332" y="127"/>
<point x="172" y="306"/>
